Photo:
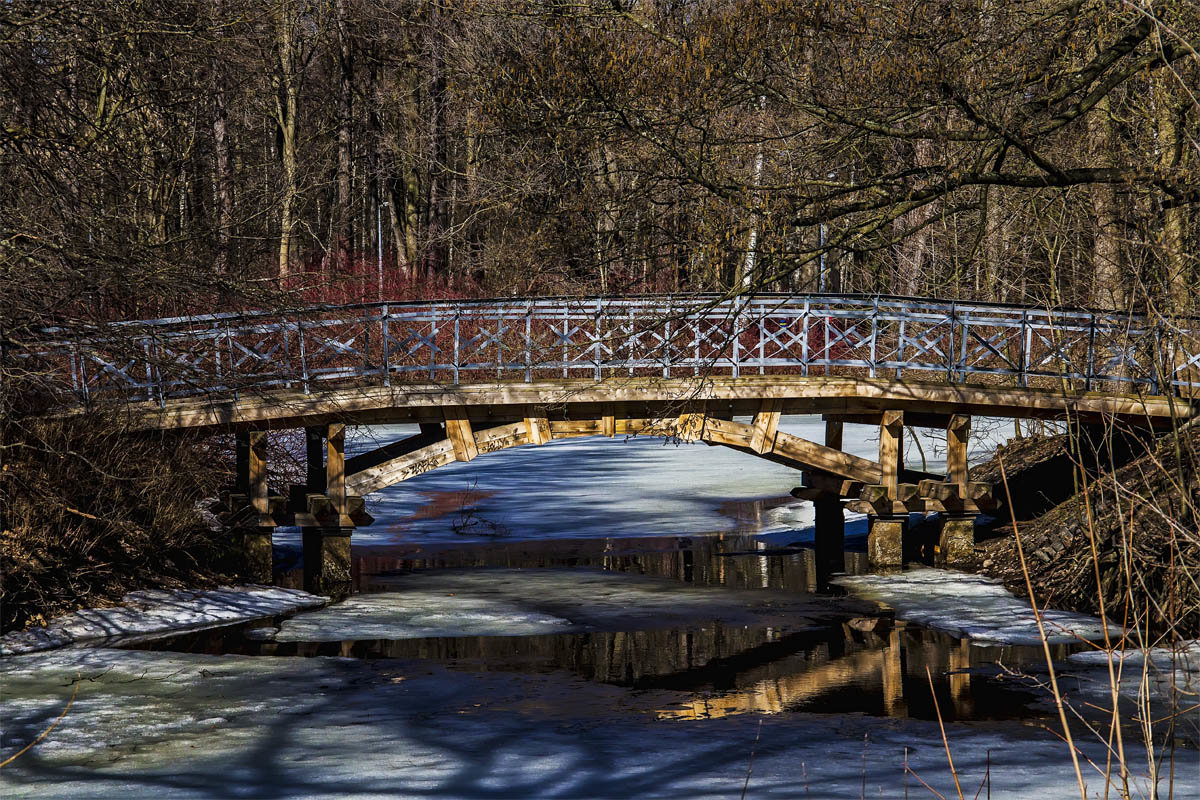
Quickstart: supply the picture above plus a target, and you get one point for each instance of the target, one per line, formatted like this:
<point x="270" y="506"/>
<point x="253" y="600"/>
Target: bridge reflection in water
<point x="872" y="664"/>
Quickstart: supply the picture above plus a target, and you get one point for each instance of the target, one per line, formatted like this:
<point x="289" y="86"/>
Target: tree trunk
<point x="343" y="214"/>
<point x="1108" y="288"/>
<point x="223" y="192"/>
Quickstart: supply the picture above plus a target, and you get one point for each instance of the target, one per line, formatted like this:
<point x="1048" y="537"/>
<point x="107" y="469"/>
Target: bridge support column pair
<point x="326" y="545"/>
<point x="956" y="539"/>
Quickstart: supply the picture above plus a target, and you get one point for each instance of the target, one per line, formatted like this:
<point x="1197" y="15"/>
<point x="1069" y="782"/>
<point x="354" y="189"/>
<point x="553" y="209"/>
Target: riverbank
<point x="1129" y="545"/>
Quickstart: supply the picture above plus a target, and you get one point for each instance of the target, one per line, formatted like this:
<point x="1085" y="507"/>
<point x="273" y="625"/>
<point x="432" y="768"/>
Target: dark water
<point x="865" y="664"/>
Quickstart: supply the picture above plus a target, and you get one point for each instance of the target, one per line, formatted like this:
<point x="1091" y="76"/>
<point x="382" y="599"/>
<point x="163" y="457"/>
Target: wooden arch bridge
<point x="481" y="376"/>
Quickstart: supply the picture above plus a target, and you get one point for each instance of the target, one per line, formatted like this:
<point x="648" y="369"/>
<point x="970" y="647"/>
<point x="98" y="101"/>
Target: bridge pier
<point x="885" y="540"/>
<point x="326" y="546"/>
<point x="829" y="533"/>
<point x="956" y="541"/>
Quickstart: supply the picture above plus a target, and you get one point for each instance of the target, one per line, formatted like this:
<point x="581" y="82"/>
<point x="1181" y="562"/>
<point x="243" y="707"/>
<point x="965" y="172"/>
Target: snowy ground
<point x="155" y="612"/>
<point x="971" y="606"/>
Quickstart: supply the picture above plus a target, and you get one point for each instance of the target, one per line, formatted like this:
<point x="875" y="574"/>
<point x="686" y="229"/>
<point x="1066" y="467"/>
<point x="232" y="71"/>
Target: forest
<point x="167" y="157"/>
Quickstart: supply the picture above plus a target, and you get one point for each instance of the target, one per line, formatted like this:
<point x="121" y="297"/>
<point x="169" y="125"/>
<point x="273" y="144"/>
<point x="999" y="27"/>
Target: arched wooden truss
<point x="827" y="469"/>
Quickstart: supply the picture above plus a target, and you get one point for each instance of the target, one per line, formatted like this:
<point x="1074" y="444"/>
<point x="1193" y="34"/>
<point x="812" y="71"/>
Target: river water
<point x="588" y="619"/>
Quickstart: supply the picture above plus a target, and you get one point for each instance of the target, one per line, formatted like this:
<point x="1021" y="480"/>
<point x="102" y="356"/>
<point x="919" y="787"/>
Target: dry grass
<point x="92" y="512"/>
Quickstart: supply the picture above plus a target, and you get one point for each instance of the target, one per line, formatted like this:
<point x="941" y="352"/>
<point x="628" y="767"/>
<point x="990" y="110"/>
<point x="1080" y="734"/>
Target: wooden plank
<point x="801" y="453"/>
<point x="766" y="423"/>
<point x="820" y="394"/>
<point x="402" y="468"/>
<point x="389" y="452"/>
<point x="460" y="434"/>
<point x="568" y="428"/>
<point x="537" y="427"/>
<point x="913" y="419"/>
<point x="891" y="449"/>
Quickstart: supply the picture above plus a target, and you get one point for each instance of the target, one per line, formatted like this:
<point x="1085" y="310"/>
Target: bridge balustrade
<point x="594" y="338"/>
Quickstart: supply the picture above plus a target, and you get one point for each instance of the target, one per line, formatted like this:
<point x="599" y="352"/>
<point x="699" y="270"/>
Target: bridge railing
<point x="473" y="341"/>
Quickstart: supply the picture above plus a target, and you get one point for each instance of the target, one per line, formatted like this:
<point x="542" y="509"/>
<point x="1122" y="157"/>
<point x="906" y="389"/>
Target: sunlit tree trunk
<point x="222" y="190"/>
<point x="343" y="215"/>
<point x="286" y="100"/>
<point x="1108" y="287"/>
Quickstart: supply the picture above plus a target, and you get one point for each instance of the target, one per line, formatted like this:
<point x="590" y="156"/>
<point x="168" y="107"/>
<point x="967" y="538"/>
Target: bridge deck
<point x="646" y="398"/>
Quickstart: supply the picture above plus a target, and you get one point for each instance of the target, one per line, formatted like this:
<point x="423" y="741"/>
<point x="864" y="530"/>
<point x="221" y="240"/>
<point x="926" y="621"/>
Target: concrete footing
<point x="258" y="559"/>
<point x="885" y="541"/>
<point x="327" y="561"/>
<point x="956" y="543"/>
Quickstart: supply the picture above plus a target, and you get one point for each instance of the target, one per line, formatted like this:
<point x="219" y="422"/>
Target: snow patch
<point x="970" y="606"/>
<point x="416" y="615"/>
<point x="158" y="612"/>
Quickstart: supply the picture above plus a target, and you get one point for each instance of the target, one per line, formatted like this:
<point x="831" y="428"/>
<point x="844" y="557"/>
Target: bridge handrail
<point x="695" y="299"/>
<point x="511" y="338"/>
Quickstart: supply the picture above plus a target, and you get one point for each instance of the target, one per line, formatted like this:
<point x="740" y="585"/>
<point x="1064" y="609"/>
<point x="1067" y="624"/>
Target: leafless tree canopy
<point x="177" y="156"/>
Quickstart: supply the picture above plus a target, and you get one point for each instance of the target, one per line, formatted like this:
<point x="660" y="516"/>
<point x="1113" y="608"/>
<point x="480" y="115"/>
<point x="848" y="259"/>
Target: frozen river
<point x="593" y="618"/>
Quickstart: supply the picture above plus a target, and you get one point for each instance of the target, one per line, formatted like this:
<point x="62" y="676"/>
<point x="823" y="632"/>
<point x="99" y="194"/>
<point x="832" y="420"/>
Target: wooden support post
<point x="327" y="548"/>
<point x="608" y="419"/>
<point x="314" y="451"/>
<point x="335" y="472"/>
<point x="257" y="536"/>
<point x="833" y="434"/>
<point x="829" y="532"/>
<point x="537" y="427"/>
<point x="885" y="542"/>
<point x="958" y="432"/>
<point x="259" y="500"/>
<point x="766" y="423"/>
<point x="459" y="432"/>
<point x="829" y="535"/>
<point x="241" y="478"/>
<point x="891" y="450"/>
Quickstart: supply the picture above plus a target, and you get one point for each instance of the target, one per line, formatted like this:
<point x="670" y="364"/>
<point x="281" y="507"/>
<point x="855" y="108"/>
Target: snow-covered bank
<point x="971" y="606"/>
<point x="159" y="612"/>
<point x="163" y="725"/>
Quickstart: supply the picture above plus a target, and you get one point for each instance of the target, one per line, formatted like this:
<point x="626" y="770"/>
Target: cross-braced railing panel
<point x="533" y="339"/>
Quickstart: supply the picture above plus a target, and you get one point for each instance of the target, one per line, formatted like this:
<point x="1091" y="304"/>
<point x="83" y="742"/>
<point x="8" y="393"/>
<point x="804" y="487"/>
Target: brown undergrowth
<point x="1144" y="523"/>
<point x="92" y="512"/>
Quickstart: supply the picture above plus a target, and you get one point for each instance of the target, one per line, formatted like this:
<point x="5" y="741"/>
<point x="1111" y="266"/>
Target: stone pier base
<point x="258" y="560"/>
<point x="956" y="544"/>
<point x="885" y="541"/>
<point x="327" y="561"/>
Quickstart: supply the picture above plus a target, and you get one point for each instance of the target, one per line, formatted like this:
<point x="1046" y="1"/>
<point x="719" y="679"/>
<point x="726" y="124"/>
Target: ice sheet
<point x="515" y="602"/>
<point x="154" y="612"/>
<point x="162" y="725"/>
<point x="971" y="606"/>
